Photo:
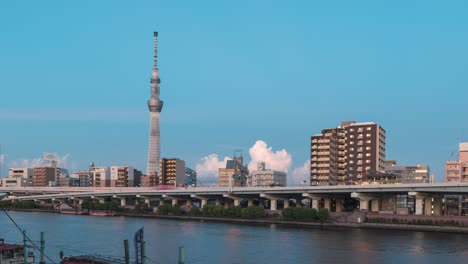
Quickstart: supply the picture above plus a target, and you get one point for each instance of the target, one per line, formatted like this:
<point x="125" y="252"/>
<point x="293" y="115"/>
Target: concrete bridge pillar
<point x="250" y="202"/>
<point x="188" y="202"/>
<point x="338" y="205"/>
<point x="237" y="202"/>
<point x="123" y="201"/>
<point x="285" y="203"/>
<point x="419" y="205"/>
<point x="437" y="206"/>
<point x="273" y="204"/>
<point x="326" y="203"/>
<point x="364" y="201"/>
<point x="226" y="205"/>
<point x="375" y="205"/>
<point x="298" y="203"/>
<point x="147" y="201"/>
<point x="217" y="202"/>
<point x="174" y="201"/>
<point x="428" y="206"/>
<point x="315" y="203"/>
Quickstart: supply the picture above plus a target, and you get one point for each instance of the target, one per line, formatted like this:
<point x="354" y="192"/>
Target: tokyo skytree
<point x="155" y="106"/>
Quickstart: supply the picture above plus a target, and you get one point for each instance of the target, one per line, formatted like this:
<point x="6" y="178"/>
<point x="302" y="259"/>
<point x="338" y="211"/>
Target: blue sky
<point x="74" y="77"/>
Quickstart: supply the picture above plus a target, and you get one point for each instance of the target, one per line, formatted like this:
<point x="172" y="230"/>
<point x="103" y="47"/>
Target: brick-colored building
<point x="344" y="155"/>
<point x="43" y="176"/>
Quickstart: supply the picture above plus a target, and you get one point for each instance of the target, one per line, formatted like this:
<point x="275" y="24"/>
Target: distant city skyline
<point x="261" y="77"/>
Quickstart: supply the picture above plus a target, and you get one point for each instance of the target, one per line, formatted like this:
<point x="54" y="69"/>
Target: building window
<point x="368" y="148"/>
<point x="351" y="142"/>
<point x="368" y="154"/>
<point x="368" y="135"/>
<point x="351" y="136"/>
<point x="351" y="161"/>
<point x="368" y="141"/>
<point x="368" y="128"/>
<point x="367" y="161"/>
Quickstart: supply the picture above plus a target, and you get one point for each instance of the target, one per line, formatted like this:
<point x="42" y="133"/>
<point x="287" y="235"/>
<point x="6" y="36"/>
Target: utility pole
<point x="42" y="249"/>
<point x="25" y="249"/>
<point x="127" y="256"/>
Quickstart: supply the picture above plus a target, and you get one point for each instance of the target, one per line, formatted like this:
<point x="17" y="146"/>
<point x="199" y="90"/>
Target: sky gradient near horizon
<point x="75" y="78"/>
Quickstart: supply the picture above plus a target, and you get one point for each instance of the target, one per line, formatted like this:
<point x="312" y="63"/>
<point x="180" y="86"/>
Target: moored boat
<point x="13" y="254"/>
<point x="102" y="213"/>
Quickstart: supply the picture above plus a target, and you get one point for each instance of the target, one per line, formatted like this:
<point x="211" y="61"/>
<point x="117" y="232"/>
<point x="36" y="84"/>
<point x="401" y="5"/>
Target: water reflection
<point x="207" y="242"/>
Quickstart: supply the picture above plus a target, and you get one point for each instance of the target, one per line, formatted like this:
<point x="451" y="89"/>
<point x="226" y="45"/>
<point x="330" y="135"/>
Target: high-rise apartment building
<point x="44" y="176"/>
<point x="344" y="155"/>
<point x="99" y="176"/>
<point x="122" y="176"/>
<point x="172" y="172"/>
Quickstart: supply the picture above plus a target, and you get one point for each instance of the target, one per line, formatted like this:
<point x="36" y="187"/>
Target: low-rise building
<point x="457" y="171"/>
<point x="190" y="177"/>
<point x="263" y="177"/>
<point x="84" y="178"/>
<point x="234" y="174"/>
<point x="24" y="174"/>
<point x="407" y="173"/>
<point x="148" y="180"/>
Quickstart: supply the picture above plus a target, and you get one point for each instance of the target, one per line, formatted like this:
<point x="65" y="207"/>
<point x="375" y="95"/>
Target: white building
<point x="267" y="178"/>
<point x="23" y="177"/>
<point x="122" y="176"/>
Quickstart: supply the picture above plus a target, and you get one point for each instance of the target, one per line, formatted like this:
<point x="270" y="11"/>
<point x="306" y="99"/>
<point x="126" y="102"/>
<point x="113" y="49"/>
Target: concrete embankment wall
<point x="460" y="220"/>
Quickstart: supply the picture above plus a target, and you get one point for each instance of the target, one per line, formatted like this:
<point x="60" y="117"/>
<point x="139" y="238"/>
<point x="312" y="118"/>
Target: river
<point x="208" y="242"/>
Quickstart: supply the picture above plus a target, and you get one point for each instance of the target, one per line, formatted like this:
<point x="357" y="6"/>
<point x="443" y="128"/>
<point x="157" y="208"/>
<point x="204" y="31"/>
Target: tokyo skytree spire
<point x="155" y="106"/>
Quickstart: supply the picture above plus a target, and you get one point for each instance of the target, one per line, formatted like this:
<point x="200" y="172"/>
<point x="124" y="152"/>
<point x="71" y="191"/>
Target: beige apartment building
<point x="346" y="154"/>
<point x="457" y="171"/>
<point x="122" y="176"/>
<point x="263" y="177"/>
<point x="172" y="172"/>
<point x="234" y="174"/>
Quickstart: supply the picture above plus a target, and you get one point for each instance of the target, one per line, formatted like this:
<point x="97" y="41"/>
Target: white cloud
<point x="62" y="161"/>
<point x="207" y="169"/>
<point x="300" y="174"/>
<point x="279" y="160"/>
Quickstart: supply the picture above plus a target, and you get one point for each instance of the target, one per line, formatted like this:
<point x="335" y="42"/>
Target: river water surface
<point x="208" y="242"/>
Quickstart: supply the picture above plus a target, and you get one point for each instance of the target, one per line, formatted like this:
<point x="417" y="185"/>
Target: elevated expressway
<point x="382" y="197"/>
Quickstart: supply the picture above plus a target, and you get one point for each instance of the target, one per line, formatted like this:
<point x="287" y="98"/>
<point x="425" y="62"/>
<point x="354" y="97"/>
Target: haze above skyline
<point x="261" y="76"/>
